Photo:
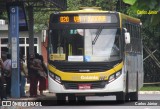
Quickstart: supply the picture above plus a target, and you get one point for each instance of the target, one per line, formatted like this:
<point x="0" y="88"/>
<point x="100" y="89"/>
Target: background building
<point x="39" y="46"/>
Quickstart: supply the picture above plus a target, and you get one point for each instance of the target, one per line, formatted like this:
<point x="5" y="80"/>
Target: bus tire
<point x="71" y="99"/>
<point x="127" y="97"/>
<point x="120" y="97"/>
<point x="134" y="96"/>
<point x="81" y="99"/>
<point x="61" y="98"/>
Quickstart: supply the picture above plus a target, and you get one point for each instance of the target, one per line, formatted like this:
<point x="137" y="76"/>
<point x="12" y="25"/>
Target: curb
<point x="149" y="92"/>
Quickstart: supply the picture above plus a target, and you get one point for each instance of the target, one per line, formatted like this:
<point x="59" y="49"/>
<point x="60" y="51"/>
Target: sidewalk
<point x="149" y="92"/>
<point x="47" y="96"/>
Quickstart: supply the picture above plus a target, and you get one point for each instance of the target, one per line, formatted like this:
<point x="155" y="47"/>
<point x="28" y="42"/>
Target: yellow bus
<point x="94" y="53"/>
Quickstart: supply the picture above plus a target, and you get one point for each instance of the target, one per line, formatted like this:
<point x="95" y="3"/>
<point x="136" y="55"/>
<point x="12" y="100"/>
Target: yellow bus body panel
<point x="96" y="76"/>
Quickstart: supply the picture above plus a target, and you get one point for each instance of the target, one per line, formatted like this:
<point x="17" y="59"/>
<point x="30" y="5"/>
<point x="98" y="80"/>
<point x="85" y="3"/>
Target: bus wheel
<point x="134" y="96"/>
<point x="127" y="97"/>
<point x="120" y="97"/>
<point x="81" y="99"/>
<point x="61" y="98"/>
<point x="71" y="99"/>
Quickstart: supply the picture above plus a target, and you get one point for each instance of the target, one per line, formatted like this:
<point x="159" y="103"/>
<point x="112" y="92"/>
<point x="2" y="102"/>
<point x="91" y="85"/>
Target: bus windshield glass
<point x="85" y="45"/>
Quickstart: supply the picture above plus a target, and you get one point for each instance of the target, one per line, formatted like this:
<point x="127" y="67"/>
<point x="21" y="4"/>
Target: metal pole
<point x="31" y="29"/>
<point x="14" y="36"/>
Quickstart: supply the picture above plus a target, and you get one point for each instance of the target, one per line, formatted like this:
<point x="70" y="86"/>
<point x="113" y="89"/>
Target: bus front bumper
<point x="115" y="86"/>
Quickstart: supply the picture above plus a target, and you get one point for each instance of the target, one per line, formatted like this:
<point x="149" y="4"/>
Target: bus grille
<point x="94" y="85"/>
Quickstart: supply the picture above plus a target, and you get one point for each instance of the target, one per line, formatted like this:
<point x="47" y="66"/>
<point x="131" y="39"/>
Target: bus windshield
<point x="87" y="45"/>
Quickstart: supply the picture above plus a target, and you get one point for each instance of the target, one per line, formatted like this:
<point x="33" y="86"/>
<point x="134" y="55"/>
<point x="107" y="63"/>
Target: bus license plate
<point x="84" y="86"/>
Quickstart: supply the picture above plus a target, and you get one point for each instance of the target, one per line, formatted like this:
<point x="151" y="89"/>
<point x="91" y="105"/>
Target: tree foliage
<point x="41" y="20"/>
<point x="104" y="4"/>
<point x="151" y="22"/>
<point x="143" y="5"/>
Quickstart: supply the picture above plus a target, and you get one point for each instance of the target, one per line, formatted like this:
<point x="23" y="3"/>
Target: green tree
<point x="41" y="20"/>
<point x="151" y="22"/>
<point x="104" y="4"/>
<point x="73" y="4"/>
<point x="149" y="5"/>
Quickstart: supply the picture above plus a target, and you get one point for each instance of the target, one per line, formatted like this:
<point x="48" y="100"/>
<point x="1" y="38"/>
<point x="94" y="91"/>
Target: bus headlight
<point x="118" y="74"/>
<point x="58" y="79"/>
<point x="51" y="75"/>
<point x="114" y="76"/>
<point x="55" y="77"/>
<point x="111" y="78"/>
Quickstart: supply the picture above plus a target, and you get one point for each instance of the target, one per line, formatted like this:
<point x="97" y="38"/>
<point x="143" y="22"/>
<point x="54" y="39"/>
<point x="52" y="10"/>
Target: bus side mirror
<point x="127" y="38"/>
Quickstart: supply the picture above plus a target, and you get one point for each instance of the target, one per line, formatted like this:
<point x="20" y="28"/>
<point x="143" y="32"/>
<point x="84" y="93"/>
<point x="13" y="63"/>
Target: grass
<point x="150" y="88"/>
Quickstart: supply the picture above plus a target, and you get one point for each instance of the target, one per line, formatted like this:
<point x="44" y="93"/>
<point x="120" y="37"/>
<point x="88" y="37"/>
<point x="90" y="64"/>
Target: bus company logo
<point x="6" y="103"/>
<point x="85" y="77"/>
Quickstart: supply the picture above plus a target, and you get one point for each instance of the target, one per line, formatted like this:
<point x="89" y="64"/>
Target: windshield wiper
<point x="97" y="35"/>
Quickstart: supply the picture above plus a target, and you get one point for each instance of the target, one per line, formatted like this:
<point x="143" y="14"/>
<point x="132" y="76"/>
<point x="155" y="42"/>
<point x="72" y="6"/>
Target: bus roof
<point x="129" y="18"/>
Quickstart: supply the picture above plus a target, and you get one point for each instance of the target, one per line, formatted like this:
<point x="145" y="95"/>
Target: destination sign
<point x="86" y="18"/>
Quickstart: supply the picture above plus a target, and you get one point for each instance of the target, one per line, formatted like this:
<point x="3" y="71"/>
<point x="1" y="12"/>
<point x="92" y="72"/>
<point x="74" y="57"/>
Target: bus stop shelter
<point x="15" y="9"/>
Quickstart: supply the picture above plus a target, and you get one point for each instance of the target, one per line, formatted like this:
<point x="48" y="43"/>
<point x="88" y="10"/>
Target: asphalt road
<point x="146" y="101"/>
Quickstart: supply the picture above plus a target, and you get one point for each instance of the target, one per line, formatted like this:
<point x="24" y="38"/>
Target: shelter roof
<point x="42" y="4"/>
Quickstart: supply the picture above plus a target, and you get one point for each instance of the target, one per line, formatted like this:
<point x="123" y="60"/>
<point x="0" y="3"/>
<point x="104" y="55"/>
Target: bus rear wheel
<point x="120" y="97"/>
<point x="127" y="97"/>
<point x="134" y="96"/>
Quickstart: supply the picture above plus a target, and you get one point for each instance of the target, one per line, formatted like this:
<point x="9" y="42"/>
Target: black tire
<point x="61" y="98"/>
<point x="134" y="96"/>
<point x="127" y="97"/>
<point x="81" y="99"/>
<point x="120" y="97"/>
<point x="71" y="99"/>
